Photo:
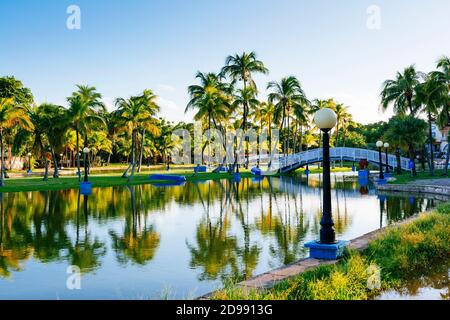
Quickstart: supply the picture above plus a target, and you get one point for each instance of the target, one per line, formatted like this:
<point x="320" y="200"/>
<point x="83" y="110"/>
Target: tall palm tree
<point x="211" y="99"/>
<point x="137" y="113"/>
<point x="151" y="108"/>
<point x="40" y="121"/>
<point x="342" y="115"/>
<point x="431" y="96"/>
<point x="83" y="114"/>
<point x="443" y="119"/>
<point x="401" y="91"/>
<point x="286" y="95"/>
<point x="11" y="115"/>
<point x="240" y="68"/>
<point x="301" y="117"/>
<point x="53" y="125"/>
<point x="245" y="98"/>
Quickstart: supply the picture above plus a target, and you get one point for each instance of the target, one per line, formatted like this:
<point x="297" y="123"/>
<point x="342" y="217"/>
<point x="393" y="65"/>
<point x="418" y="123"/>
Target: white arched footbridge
<point x="285" y="164"/>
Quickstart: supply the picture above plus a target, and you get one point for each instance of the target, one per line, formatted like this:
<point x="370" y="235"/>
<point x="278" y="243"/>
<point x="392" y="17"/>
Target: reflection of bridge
<point x="285" y="164"/>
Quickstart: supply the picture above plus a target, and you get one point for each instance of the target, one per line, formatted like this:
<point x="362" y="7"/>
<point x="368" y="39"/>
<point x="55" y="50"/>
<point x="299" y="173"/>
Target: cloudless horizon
<point x="124" y="47"/>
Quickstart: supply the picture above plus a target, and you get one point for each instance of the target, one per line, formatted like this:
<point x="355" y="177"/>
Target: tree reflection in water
<point x="242" y="228"/>
<point x="139" y="241"/>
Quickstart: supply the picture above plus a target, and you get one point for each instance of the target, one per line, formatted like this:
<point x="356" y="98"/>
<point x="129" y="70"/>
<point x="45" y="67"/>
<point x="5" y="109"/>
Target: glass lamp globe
<point x="386" y="145"/>
<point x="379" y="144"/>
<point x="29" y="154"/>
<point x="86" y="150"/>
<point x="325" y="119"/>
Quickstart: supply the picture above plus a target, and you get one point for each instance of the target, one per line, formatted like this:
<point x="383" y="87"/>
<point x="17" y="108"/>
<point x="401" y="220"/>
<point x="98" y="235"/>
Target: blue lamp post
<point x="387" y="173"/>
<point x="327" y="247"/>
<point x="380" y="145"/>
<point x="29" y="163"/>
<point x="85" y="186"/>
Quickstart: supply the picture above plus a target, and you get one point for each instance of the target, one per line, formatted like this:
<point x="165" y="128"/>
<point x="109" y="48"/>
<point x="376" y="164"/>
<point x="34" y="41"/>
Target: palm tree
<point x="286" y="95"/>
<point x="40" y="121"/>
<point x="11" y="115"/>
<point x="240" y="68"/>
<point x="406" y="132"/>
<point x="53" y="125"/>
<point x="152" y="108"/>
<point x="301" y="114"/>
<point x="443" y="76"/>
<point x="432" y="95"/>
<point x="211" y="98"/>
<point x="83" y="113"/>
<point x="401" y="91"/>
<point x="245" y="98"/>
<point x="342" y="115"/>
<point x="137" y="113"/>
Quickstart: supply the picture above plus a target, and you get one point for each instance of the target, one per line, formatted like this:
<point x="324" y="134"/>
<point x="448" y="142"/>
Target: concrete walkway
<point x="428" y="186"/>
<point x="433" y="182"/>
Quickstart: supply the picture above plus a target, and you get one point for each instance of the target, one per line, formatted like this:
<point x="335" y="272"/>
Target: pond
<point x="435" y="285"/>
<point x="153" y="242"/>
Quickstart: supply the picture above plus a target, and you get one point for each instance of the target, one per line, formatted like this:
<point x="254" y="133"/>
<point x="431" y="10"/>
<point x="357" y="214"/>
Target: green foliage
<point x="372" y="132"/>
<point x="12" y="88"/>
<point x="406" y="132"/>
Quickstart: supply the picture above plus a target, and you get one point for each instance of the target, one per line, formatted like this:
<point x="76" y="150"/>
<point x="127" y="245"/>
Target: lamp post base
<point x="363" y="174"/>
<point x="86" y="188"/>
<point x="321" y="251"/>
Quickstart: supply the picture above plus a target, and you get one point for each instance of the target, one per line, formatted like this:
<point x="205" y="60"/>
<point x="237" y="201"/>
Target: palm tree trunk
<point x="397" y="156"/>
<point x="2" y="169"/>
<point x="430" y="137"/>
<point x="44" y="160"/>
<point x="447" y="158"/>
<point x="133" y="155"/>
<point x="412" y="158"/>
<point x="281" y="129"/>
<point x="288" y="131"/>
<point x="9" y="156"/>
<point x="55" y="164"/>
<point x="78" y="155"/>
<point x="141" y="152"/>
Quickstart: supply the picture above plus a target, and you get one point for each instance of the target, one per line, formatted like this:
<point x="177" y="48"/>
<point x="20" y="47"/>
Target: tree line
<point x="226" y="100"/>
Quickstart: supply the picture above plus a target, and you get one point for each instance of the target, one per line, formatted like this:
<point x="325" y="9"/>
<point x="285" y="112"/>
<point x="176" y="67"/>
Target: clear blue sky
<point x="126" y="46"/>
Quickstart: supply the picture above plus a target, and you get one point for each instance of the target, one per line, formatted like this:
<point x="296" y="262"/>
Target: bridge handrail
<point x="281" y="161"/>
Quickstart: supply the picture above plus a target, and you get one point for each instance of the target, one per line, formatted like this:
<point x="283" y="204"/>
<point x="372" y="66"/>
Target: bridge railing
<point x="315" y="155"/>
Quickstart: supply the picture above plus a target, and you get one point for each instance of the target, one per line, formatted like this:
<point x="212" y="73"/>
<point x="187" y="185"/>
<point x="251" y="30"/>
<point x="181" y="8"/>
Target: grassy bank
<point x="36" y="183"/>
<point x="314" y="170"/>
<point x="401" y="253"/>
<point x="405" y="177"/>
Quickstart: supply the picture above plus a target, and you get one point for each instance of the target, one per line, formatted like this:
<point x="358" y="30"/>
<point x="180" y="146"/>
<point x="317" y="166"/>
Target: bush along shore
<point x="401" y="253"/>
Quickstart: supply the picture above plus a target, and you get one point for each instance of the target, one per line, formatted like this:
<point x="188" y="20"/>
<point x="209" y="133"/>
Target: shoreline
<point x="270" y="279"/>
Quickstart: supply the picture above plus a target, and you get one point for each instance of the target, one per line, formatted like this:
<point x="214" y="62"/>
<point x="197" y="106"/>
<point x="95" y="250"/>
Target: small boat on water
<point x="167" y="177"/>
<point x="170" y="184"/>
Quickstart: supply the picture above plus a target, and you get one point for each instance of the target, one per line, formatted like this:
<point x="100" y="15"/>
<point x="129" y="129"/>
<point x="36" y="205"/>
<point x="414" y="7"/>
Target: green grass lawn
<point x="314" y="170"/>
<point x="421" y="175"/>
<point x="36" y="183"/>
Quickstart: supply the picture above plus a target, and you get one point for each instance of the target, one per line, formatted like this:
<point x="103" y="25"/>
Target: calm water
<point x="434" y="286"/>
<point x="149" y="242"/>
